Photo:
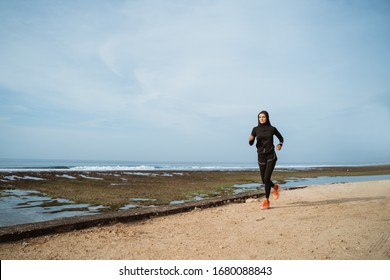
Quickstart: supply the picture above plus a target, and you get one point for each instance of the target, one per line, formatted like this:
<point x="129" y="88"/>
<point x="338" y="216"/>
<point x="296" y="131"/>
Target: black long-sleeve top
<point x="264" y="135"/>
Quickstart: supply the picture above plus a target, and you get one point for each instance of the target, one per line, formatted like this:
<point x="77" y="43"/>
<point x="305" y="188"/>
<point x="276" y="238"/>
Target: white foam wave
<point x="98" y="168"/>
<point x="141" y="167"/>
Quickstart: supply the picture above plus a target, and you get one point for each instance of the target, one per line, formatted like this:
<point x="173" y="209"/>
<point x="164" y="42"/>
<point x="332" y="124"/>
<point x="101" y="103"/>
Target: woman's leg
<point x="268" y="169"/>
<point x="262" y="161"/>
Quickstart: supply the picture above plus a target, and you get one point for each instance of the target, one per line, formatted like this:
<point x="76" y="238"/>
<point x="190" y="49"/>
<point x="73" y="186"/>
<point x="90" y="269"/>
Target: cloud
<point x="195" y="71"/>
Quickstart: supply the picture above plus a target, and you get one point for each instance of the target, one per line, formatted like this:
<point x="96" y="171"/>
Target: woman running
<point x="264" y="134"/>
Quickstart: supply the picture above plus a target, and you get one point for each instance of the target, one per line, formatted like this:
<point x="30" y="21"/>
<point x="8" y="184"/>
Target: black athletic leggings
<point x="267" y="164"/>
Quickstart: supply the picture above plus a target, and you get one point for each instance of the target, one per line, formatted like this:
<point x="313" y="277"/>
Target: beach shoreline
<point x="29" y="197"/>
<point x="331" y="221"/>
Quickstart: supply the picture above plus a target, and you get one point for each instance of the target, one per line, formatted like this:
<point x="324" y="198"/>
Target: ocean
<point x="31" y="165"/>
<point x="15" y="165"/>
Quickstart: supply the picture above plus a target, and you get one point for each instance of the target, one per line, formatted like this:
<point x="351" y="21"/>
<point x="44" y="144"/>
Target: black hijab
<point x="267" y="123"/>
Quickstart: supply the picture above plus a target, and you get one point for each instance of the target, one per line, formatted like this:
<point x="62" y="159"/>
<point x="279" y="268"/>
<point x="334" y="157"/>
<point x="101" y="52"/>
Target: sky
<point x="173" y="80"/>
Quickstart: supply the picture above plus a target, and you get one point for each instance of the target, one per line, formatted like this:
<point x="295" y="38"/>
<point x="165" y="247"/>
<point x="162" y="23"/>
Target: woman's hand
<point x="278" y="147"/>
<point x="251" y="137"/>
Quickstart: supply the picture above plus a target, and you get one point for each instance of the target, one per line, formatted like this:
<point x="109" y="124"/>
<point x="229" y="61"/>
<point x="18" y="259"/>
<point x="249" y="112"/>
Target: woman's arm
<point x="252" y="137"/>
<point x="280" y="137"/>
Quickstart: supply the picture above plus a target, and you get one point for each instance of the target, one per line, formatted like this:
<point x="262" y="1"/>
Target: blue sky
<point x="185" y="80"/>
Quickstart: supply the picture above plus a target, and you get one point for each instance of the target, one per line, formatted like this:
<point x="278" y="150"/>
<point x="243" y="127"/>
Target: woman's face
<point x="262" y="118"/>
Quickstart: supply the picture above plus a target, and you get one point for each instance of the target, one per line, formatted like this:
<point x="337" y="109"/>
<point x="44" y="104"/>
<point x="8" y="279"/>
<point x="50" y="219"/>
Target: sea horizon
<point x="38" y="165"/>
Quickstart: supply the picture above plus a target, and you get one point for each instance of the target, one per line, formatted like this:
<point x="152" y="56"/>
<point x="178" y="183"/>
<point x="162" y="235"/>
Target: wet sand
<point x="334" y="221"/>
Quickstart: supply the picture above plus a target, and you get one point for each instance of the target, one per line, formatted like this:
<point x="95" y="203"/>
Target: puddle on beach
<point x="302" y="182"/>
<point x="137" y="199"/>
<point x="26" y="206"/>
<point x="195" y="198"/>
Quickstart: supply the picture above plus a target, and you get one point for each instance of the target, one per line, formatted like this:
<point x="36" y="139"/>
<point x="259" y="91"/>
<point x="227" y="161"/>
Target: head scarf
<point x="266" y="115"/>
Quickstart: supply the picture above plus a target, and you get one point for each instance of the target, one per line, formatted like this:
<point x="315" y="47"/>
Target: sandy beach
<point x="334" y="221"/>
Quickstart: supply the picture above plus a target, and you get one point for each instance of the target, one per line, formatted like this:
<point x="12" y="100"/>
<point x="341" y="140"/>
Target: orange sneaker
<point x="276" y="191"/>
<point x="265" y="204"/>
